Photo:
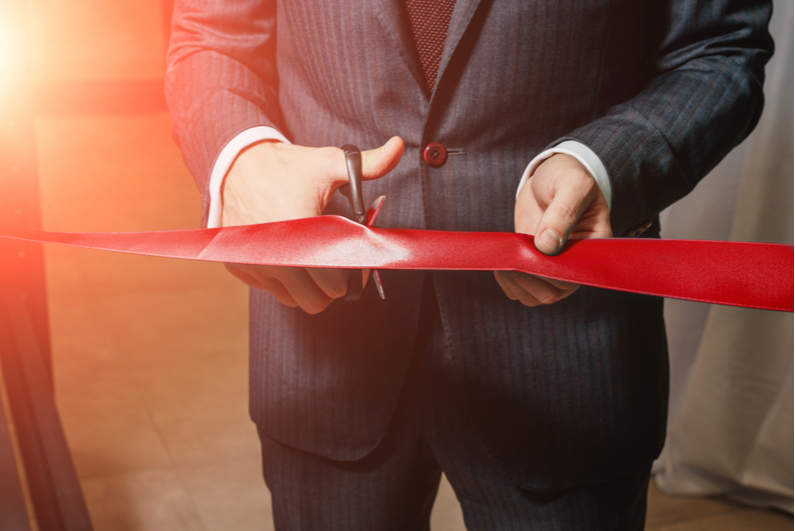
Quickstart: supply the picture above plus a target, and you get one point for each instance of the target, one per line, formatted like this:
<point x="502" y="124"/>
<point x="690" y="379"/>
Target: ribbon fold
<point x="754" y="275"/>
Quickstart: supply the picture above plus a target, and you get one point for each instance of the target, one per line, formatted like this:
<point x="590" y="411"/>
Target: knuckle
<point x="516" y="275"/>
<point x="565" y="286"/>
<point x="334" y="283"/>
<point x="315" y="307"/>
<point x="337" y="290"/>
<point x="543" y="190"/>
<point x="509" y="293"/>
<point x="566" y="213"/>
<point x="548" y="298"/>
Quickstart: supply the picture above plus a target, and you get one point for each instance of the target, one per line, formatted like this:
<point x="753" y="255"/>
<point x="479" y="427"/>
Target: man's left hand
<point x="561" y="200"/>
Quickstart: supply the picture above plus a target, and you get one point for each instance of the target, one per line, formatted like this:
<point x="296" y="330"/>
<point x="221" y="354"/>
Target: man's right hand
<point x="274" y="181"/>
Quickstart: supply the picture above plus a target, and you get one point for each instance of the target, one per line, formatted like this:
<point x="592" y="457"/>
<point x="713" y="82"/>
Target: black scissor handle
<point x="353" y="191"/>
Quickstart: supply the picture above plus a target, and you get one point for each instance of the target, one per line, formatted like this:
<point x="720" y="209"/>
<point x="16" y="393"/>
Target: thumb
<point x="379" y="161"/>
<point x="559" y="219"/>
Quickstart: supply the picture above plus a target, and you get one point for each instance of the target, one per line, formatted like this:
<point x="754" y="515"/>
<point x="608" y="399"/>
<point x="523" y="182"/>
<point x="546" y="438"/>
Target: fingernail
<point x="549" y="242"/>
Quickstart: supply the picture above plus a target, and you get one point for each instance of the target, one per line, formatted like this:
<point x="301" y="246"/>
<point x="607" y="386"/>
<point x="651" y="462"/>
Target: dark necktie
<point x="428" y="21"/>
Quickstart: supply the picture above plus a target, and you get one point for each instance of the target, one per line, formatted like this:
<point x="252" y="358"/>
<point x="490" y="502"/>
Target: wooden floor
<point x="151" y="354"/>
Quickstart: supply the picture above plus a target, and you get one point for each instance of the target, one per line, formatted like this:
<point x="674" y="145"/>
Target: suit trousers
<point x="394" y="487"/>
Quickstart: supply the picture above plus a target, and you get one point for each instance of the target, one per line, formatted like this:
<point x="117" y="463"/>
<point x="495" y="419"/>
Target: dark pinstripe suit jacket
<point x="562" y="395"/>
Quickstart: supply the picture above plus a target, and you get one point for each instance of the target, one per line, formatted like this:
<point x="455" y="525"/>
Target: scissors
<point x="353" y="191"/>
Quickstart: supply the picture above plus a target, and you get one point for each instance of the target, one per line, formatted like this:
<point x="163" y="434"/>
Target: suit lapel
<point x="462" y="15"/>
<point x="394" y="18"/>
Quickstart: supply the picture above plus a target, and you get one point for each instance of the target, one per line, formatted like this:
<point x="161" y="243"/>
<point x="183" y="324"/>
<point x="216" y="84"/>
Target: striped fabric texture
<point x="565" y="394"/>
<point x="394" y="487"/>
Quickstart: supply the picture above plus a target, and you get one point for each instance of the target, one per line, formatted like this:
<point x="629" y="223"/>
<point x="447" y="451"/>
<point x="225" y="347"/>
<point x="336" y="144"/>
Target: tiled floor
<point x="150" y="354"/>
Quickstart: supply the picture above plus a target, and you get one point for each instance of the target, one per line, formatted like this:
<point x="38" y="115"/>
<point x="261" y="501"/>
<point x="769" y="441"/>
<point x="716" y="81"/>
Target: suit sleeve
<point x="221" y="78"/>
<point x="704" y="98"/>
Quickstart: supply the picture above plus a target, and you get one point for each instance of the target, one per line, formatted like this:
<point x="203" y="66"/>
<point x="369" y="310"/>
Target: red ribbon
<point x="754" y="275"/>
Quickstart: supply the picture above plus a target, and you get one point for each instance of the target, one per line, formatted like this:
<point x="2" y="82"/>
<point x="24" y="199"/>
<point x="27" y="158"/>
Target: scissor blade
<point x="372" y="213"/>
<point x="378" y="285"/>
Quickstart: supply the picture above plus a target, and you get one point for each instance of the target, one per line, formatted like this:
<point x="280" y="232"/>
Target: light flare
<point x="12" y="58"/>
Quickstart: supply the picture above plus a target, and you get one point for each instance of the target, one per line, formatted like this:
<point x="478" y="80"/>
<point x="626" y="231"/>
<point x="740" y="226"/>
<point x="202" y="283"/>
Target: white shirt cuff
<point x="581" y="152"/>
<point x="225" y="160"/>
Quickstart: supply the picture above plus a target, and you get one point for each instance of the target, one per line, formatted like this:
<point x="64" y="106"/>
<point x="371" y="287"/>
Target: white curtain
<point x="730" y="427"/>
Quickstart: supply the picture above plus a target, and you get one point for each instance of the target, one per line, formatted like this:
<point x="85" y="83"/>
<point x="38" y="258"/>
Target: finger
<point x="256" y="277"/>
<point x="277" y="289"/>
<point x="560" y="284"/>
<point x="540" y="288"/>
<point x="380" y="161"/>
<point x="560" y="217"/>
<point x="242" y="273"/>
<point x="595" y="222"/>
<point x="504" y="284"/>
<point x="520" y="294"/>
<point x="527" y="212"/>
<point x="303" y="289"/>
<point x="333" y="282"/>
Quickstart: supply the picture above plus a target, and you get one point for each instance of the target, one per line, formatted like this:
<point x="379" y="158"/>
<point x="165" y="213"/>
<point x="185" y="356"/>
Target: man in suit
<point x="544" y="404"/>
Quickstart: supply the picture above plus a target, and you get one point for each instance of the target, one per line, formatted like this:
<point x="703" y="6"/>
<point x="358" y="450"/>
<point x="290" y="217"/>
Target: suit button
<point x="434" y="155"/>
